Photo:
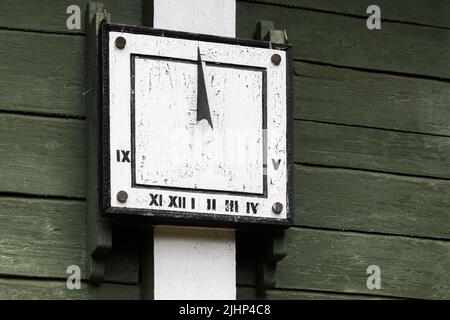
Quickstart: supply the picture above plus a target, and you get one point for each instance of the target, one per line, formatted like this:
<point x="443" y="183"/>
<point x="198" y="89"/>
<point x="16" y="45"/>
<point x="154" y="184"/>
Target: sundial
<point x="196" y="129"/>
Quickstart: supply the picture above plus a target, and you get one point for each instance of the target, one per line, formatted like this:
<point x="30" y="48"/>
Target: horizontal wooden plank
<point x="21" y="289"/>
<point x="337" y="262"/>
<point x="371" y="149"/>
<point x="430" y="12"/>
<point x="340" y="95"/>
<point x="54" y="84"/>
<point x="43" y="156"/>
<point x="57" y="145"/>
<point x="321" y="144"/>
<point x="42" y="73"/>
<point x="346" y="41"/>
<point x="47" y="158"/>
<point x="316" y="36"/>
<point x="371" y="202"/>
<point x="51" y="15"/>
<point x="41" y="238"/>
<point x="249" y="293"/>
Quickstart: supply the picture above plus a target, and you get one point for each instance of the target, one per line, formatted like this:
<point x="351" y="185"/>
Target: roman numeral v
<point x="276" y="164"/>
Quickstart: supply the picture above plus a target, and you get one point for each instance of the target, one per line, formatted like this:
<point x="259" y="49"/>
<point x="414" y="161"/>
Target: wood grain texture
<point x="431" y="12"/>
<point x="41" y="238"/>
<point x="214" y="17"/>
<point x="340" y="95"/>
<point x="20" y="289"/>
<point x="203" y="262"/>
<point x="47" y="158"/>
<point x="99" y="238"/>
<point x="410" y="268"/>
<point x="371" y="149"/>
<point x="44" y="74"/>
<point x="54" y="84"/>
<point x="371" y="202"/>
<point x="337" y="262"/>
<point x="194" y="263"/>
<point x="50" y="15"/>
<point x="42" y="156"/>
<point x="249" y="293"/>
<point x="41" y="73"/>
<point x="346" y="41"/>
<point x="122" y="263"/>
<point x="316" y="36"/>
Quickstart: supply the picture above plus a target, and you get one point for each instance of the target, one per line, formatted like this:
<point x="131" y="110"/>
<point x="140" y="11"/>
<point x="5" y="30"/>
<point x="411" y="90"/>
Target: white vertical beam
<point x="195" y="263"/>
<point x="215" y="17"/>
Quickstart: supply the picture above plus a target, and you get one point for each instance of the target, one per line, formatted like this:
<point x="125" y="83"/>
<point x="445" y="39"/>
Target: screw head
<point x="120" y="42"/>
<point x="276" y="59"/>
<point x="122" y="196"/>
<point x="277" y="207"/>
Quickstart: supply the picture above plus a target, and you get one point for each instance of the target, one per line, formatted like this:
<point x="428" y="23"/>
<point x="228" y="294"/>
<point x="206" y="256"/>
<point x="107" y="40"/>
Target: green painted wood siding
<point x="372" y="145"/>
<point x="56" y="290"/>
<point x="371" y="150"/>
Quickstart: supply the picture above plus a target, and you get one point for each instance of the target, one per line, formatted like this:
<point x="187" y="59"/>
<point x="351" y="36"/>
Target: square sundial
<point x="196" y="129"/>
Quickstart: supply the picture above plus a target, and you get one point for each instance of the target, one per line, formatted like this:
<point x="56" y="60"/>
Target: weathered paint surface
<point x="28" y="289"/>
<point x="215" y="17"/>
<point x="203" y="241"/>
<point x="193" y="263"/>
<point x="173" y="149"/>
<point x="321" y="264"/>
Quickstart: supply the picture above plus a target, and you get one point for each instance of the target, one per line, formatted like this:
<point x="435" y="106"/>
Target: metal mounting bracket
<point x="265" y="30"/>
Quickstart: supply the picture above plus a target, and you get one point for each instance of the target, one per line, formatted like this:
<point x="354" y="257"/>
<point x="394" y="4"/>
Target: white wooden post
<point x="195" y="263"/>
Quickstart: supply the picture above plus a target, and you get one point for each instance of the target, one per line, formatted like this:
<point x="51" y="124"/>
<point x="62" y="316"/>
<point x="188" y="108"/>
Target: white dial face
<point x="197" y="128"/>
<point x="174" y="149"/>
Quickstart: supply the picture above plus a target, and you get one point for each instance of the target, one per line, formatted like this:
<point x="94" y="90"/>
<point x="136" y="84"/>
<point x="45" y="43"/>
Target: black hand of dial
<point x="203" y="111"/>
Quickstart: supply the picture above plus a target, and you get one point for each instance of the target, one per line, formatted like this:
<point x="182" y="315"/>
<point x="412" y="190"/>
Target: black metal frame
<point x="176" y="217"/>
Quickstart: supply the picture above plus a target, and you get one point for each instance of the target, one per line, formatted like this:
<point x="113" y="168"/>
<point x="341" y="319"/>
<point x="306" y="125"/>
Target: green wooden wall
<point x="372" y="149"/>
<point x="372" y="152"/>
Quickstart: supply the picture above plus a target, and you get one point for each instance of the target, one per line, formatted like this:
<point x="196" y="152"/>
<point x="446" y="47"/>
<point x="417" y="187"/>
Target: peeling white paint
<point x="183" y="267"/>
<point x="173" y="150"/>
<point x="215" y="17"/>
<point x="196" y="263"/>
